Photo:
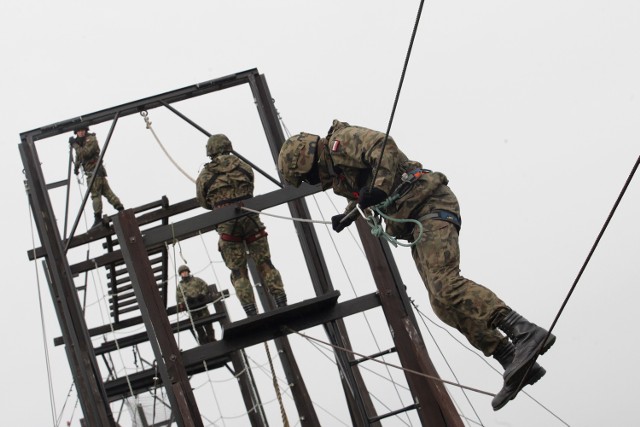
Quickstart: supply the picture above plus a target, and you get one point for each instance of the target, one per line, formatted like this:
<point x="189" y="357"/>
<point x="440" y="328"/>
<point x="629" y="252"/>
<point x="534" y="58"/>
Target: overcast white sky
<point x="530" y="108"/>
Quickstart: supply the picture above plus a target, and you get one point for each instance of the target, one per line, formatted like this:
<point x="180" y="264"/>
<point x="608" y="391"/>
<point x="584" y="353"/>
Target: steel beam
<point x="82" y="360"/>
<point x="306" y="412"/>
<point x="163" y="343"/>
<point x="435" y="407"/>
<point x="242" y="370"/>
<point x="358" y="400"/>
<point x="135" y="107"/>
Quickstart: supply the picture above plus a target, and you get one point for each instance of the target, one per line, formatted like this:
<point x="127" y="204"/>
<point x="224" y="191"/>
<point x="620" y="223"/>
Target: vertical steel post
<point x="154" y="315"/>
<point x="82" y="359"/>
<point x="301" y="398"/>
<point x="249" y="392"/>
<point x="358" y="399"/>
<point x="435" y="407"/>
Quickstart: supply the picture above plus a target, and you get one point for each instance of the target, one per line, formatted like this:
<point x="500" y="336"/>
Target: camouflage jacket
<point x="191" y="287"/>
<point x="87" y="153"/>
<point x="348" y="157"/>
<point x="226" y="179"/>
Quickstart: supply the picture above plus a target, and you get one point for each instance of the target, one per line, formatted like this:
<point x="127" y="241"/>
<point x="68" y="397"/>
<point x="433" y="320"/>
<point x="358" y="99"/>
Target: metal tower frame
<point x="431" y="400"/>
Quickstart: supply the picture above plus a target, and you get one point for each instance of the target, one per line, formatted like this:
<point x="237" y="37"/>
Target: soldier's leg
<point x="96" y="194"/>
<point x="485" y="340"/>
<point x="110" y="195"/>
<point x="235" y="258"/>
<point x="458" y="301"/>
<point x="272" y="280"/>
<point x="211" y="335"/>
<point x="205" y="332"/>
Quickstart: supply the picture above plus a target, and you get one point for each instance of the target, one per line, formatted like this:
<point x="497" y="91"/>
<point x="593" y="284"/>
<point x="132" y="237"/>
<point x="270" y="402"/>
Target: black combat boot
<point x="97" y="219"/>
<point x="202" y="336"/>
<point x="529" y="341"/>
<point x="281" y="300"/>
<point x="250" y="309"/>
<point x="211" y="335"/>
<point x="504" y="355"/>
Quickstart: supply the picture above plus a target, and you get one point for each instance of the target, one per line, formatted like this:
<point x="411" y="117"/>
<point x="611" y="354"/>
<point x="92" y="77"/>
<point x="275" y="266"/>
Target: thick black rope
<point x="395" y="102"/>
<point x="584" y="265"/>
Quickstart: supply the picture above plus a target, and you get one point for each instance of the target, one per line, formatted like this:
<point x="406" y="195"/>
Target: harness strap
<point x="443" y="216"/>
<point x="225" y="202"/>
<point x="249" y="239"/>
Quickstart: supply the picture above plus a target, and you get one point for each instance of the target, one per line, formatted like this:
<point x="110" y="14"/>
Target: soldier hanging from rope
<point x="191" y="293"/>
<point x="87" y="151"/>
<point x="349" y="160"/>
<point x="225" y="180"/>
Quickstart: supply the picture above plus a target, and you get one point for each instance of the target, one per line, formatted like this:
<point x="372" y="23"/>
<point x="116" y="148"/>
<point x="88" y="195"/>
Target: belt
<point x="249" y="239"/>
<point x="226" y="202"/>
<point x="443" y="216"/>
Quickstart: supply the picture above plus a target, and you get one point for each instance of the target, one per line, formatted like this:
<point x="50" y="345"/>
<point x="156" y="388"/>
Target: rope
<point x="482" y="358"/>
<point x="364" y="314"/>
<point x="276" y="386"/>
<point x="464" y="392"/>
<point x="586" y="262"/>
<point x="285" y="217"/>
<point x="411" y="371"/>
<point x="52" y="401"/>
<point x="145" y="115"/>
<point x="115" y="339"/>
<point x="288" y="390"/>
<point x="395" y="102"/>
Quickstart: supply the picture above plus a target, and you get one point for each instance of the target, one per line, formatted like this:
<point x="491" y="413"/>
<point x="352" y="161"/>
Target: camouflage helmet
<point x="183" y="268"/>
<point x="297" y="156"/>
<point x="218" y="144"/>
<point x="81" y="126"/>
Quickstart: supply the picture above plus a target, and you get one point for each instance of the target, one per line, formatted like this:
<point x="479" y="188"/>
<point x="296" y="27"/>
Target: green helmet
<point x="183" y="268"/>
<point x="80" y="127"/>
<point x="297" y="156"/>
<point x="218" y="144"/>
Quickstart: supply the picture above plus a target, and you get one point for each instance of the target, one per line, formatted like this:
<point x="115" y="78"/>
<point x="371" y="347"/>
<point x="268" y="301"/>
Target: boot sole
<point x="533" y="377"/>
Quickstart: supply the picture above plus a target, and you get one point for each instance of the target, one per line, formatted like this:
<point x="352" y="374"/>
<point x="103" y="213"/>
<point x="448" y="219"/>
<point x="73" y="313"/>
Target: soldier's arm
<point x="200" y="196"/>
<point x="179" y="299"/>
<point x="91" y="146"/>
<point x="386" y="163"/>
<point x="203" y="288"/>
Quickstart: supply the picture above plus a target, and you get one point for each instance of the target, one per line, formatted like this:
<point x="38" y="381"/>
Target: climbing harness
<point x="444" y="215"/>
<point x="249" y="239"/>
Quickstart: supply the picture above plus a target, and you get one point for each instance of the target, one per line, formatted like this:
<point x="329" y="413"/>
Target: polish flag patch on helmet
<point x="336" y="145"/>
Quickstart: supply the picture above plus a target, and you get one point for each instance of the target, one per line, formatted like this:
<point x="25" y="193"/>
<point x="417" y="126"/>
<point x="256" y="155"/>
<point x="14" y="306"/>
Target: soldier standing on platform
<point x="87" y="152"/>
<point x="190" y="297"/>
<point x="227" y="179"/>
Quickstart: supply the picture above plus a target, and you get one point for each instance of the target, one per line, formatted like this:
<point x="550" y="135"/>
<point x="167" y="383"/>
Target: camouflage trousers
<point x="457" y="301"/>
<point x="234" y="254"/>
<point x="203" y="333"/>
<point x="101" y="188"/>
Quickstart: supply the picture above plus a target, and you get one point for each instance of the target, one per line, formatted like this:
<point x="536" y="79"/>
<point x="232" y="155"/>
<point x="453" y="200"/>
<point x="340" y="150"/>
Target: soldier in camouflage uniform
<point x="87" y="151"/>
<point x="345" y="160"/>
<point x="190" y="296"/>
<point x="228" y="179"/>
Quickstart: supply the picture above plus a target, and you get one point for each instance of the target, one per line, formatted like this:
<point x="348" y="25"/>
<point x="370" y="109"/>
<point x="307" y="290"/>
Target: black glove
<point x="71" y="140"/>
<point x="339" y="226"/>
<point x="369" y="197"/>
<point x="76" y="170"/>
